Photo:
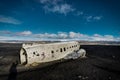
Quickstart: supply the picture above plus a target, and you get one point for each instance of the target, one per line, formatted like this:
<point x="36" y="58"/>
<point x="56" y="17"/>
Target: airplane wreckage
<point x="37" y="55"/>
<point x="47" y="52"/>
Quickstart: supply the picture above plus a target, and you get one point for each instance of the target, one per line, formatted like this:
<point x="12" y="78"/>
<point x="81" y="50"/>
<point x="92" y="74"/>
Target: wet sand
<point x="102" y="63"/>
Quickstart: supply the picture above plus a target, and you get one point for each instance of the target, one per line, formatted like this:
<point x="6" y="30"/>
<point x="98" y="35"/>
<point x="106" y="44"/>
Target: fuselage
<point x="39" y="53"/>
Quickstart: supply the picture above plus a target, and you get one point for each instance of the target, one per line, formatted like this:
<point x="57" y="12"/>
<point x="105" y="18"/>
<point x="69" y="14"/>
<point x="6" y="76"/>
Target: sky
<point x="91" y="20"/>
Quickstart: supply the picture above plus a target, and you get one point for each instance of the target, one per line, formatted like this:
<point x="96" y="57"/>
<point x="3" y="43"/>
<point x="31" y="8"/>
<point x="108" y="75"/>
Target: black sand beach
<point x="102" y="63"/>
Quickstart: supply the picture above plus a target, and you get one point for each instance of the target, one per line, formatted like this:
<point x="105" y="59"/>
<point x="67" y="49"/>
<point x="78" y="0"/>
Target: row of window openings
<point x="61" y="50"/>
<point x="64" y="49"/>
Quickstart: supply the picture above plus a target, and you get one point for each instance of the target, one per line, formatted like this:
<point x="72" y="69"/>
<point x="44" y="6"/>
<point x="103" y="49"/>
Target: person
<point x="13" y="71"/>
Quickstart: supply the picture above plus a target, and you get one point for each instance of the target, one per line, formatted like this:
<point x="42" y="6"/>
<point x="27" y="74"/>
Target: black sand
<point x="102" y="63"/>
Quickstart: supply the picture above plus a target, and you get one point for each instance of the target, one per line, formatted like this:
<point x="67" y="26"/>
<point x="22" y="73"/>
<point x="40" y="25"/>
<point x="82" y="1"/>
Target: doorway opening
<point x="23" y="56"/>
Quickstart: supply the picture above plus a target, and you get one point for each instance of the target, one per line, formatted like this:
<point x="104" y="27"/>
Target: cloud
<point x="62" y="35"/>
<point x="8" y="35"/>
<point x="8" y="38"/>
<point x="10" y="20"/>
<point x="89" y="18"/>
<point x="28" y="35"/>
<point x="45" y="35"/>
<point x="57" y="6"/>
<point x="75" y="35"/>
<point x="61" y="7"/>
<point x="3" y="37"/>
<point x="43" y="1"/>
<point x="5" y="32"/>
<point x="59" y="35"/>
<point x="93" y="18"/>
<point x="24" y="33"/>
<point x="49" y="2"/>
<point x="79" y="13"/>
<point x="97" y="17"/>
<point x="98" y="37"/>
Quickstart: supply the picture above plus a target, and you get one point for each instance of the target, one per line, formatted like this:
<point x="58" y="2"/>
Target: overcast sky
<point x="60" y="19"/>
